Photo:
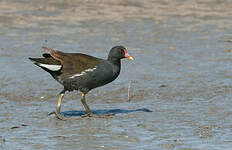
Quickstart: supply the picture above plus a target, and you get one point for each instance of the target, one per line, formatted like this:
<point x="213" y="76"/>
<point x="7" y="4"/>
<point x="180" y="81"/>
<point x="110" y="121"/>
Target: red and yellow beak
<point x="127" y="55"/>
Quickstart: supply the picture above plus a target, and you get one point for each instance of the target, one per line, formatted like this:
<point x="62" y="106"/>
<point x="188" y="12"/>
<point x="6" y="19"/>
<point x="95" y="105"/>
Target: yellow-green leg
<point x="85" y="105"/>
<point x="89" y="112"/>
<point x="57" y="112"/>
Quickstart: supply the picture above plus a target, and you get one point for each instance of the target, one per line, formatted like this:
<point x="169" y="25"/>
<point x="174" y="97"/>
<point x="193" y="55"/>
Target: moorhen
<point x="81" y="72"/>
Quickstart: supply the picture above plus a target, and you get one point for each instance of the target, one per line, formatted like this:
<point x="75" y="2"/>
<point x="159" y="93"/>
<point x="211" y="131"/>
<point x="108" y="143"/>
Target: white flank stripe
<point x="83" y="72"/>
<point x="51" y="67"/>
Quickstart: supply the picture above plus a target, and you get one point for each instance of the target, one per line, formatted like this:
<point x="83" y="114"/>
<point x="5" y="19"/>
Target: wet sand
<point x="181" y="83"/>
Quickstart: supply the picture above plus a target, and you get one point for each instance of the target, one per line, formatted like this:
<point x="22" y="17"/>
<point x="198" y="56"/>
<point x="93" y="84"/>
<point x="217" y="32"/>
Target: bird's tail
<point x="49" y="64"/>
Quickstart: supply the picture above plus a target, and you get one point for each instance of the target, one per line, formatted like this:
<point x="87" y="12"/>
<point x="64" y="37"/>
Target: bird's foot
<point x="58" y="115"/>
<point x="98" y="115"/>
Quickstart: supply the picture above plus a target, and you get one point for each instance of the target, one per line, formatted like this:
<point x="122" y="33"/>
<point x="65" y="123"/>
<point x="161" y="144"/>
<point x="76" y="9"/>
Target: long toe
<point x="85" y="115"/>
<point x="106" y="115"/>
<point x="98" y="115"/>
<point x="51" y="113"/>
<point x="58" y="115"/>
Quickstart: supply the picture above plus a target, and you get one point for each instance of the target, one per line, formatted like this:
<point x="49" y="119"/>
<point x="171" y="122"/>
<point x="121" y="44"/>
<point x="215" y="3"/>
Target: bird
<point x="81" y="72"/>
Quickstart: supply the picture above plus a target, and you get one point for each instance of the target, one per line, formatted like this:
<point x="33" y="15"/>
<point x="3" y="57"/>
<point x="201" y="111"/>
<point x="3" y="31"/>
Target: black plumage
<point x="76" y="71"/>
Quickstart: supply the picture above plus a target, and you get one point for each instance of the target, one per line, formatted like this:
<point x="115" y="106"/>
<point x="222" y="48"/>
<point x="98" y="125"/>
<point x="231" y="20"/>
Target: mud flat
<point x="181" y="87"/>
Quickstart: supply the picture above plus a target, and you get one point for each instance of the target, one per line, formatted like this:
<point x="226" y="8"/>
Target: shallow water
<point x="181" y="83"/>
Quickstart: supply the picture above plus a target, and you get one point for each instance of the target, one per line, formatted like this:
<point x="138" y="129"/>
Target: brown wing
<point x="73" y="63"/>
